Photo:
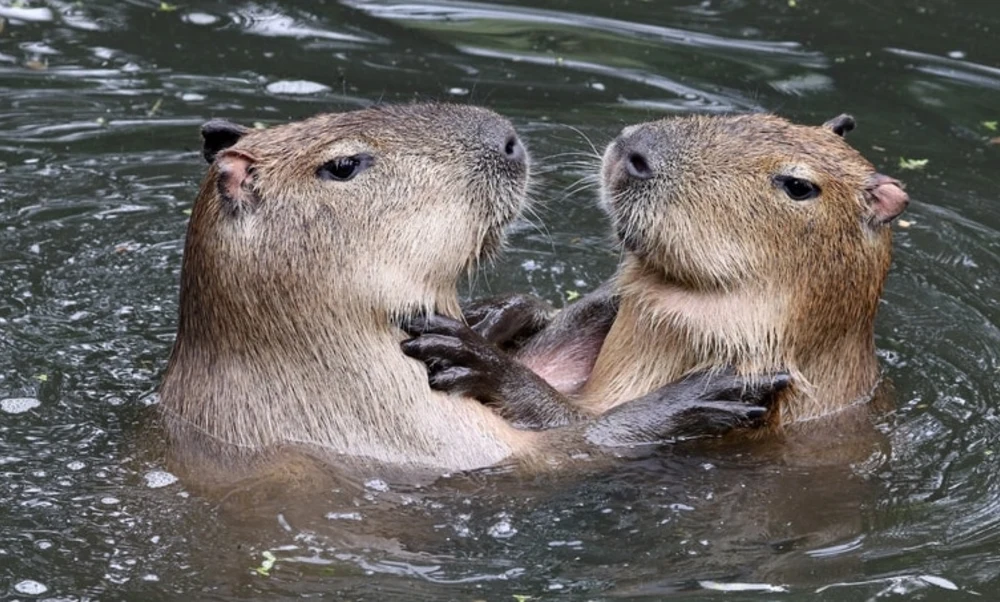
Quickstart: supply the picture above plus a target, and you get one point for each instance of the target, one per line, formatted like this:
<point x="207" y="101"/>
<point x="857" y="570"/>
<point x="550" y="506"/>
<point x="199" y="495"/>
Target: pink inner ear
<point x="235" y="176"/>
<point x="889" y="198"/>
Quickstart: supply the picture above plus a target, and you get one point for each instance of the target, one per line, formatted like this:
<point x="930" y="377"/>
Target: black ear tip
<point x="219" y="134"/>
<point x="841" y="124"/>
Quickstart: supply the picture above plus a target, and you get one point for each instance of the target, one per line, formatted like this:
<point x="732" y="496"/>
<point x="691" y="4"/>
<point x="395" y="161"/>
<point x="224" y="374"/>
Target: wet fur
<point x="722" y="268"/>
<point x="288" y="305"/>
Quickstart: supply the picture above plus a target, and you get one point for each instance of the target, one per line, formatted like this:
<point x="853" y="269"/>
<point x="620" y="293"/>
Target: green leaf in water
<point x="521" y="597"/>
<point x="167" y="7"/>
<point x="156" y="107"/>
<point x="912" y="164"/>
<point x="264" y="570"/>
<point x="186" y="211"/>
<point x="572" y="295"/>
<point x="42" y="378"/>
<point x="990" y="125"/>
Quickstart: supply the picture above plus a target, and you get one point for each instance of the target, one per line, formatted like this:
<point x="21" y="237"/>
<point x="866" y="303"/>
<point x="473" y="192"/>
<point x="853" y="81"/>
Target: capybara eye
<point x="798" y="189"/>
<point x="342" y="169"/>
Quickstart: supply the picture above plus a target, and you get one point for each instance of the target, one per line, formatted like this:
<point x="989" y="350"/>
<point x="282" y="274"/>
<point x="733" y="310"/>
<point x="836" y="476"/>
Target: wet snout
<point x="633" y="156"/>
<point x="500" y="142"/>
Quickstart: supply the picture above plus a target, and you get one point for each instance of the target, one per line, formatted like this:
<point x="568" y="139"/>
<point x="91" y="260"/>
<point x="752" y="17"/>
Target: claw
<point x="428" y="347"/>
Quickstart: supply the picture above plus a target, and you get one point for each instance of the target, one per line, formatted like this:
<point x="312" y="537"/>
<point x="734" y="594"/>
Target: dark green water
<point x="99" y="108"/>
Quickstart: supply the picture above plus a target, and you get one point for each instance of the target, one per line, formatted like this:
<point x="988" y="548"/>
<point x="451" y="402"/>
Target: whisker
<point x="597" y="153"/>
<point x="572" y="154"/>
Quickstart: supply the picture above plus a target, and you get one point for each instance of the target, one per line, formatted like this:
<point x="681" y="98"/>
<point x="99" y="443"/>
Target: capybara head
<point x="379" y="208"/>
<point x="717" y="202"/>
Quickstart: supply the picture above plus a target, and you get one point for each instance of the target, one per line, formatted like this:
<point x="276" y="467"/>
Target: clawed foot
<point x="508" y="319"/>
<point x="723" y="401"/>
<point x="704" y="404"/>
<point x="458" y="359"/>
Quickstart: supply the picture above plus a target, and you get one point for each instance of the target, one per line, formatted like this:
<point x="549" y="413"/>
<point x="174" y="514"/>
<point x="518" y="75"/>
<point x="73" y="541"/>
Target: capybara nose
<point x="512" y="148"/>
<point x="638" y="166"/>
<point x="635" y="146"/>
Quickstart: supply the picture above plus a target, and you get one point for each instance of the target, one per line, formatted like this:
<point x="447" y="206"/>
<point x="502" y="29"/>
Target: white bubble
<point x="597" y="86"/>
<point x="458" y="91"/>
<point x="377" y="485"/>
<point x="30" y="588"/>
<point x="17" y="13"/>
<point x="200" y="18"/>
<point x="19" y="405"/>
<point x="76" y="465"/>
<point x="110" y="501"/>
<point x="956" y="54"/>
<point x="299" y="86"/>
<point x="343" y="516"/>
<point x="159" y="478"/>
<point x="502" y="530"/>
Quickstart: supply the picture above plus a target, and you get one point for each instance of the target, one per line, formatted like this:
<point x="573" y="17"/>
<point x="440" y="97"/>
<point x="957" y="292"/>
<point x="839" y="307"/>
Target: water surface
<point x="99" y="107"/>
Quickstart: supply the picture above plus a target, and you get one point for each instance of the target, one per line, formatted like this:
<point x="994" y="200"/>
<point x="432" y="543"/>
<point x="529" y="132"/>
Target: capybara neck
<point x="664" y="331"/>
<point x="311" y="366"/>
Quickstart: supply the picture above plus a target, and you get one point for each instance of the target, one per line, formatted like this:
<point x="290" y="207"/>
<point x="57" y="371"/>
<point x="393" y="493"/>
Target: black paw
<point x="505" y="320"/>
<point x="726" y="385"/>
<point x="723" y="401"/>
<point x="458" y="360"/>
<point x="719" y="417"/>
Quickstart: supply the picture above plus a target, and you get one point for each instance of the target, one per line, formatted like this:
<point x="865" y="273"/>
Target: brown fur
<point x="723" y="268"/>
<point x="286" y="335"/>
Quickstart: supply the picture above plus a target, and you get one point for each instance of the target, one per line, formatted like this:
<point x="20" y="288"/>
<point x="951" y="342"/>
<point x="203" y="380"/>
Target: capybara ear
<point x="218" y="135"/>
<point x="886" y="198"/>
<point x="841" y="124"/>
<point x="236" y="173"/>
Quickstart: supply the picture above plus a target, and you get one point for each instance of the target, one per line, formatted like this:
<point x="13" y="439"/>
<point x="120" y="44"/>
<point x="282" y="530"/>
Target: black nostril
<point x="513" y="149"/>
<point x="638" y="167"/>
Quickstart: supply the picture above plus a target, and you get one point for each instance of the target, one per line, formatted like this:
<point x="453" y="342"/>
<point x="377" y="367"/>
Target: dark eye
<point x="798" y="189"/>
<point x="342" y="169"/>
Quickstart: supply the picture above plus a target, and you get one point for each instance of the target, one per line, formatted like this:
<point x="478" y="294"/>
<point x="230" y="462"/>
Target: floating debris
<point x="155" y="108"/>
<point x="913" y="164"/>
<point x="267" y="564"/>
